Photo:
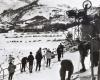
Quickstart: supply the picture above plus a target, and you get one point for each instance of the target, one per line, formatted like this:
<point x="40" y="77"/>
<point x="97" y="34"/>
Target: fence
<point x="4" y="72"/>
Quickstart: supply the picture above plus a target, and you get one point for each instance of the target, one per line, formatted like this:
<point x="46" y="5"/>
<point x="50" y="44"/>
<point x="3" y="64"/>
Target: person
<point x="59" y="53"/>
<point x="11" y="59"/>
<point x="11" y="69"/>
<point x="38" y="59"/>
<point x="66" y="65"/>
<point x="83" y="48"/>
<point x="62" y="49"/>
<point x="48" y="56"/>
<point x="24" y="63"/>
<point x="30" y="60"/>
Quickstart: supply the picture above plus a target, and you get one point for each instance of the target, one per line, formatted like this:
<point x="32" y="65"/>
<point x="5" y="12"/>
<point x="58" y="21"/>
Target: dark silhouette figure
<point x="83" y="48"/>
<point x="11" y="69"/>
<point x="58" y="53"/>
<point x="24" y="63"/>
<point x="61" y="49"/>
<point x="38" y="59"/>
<point x="66" y="65"/>
<point x="30" y="60"/>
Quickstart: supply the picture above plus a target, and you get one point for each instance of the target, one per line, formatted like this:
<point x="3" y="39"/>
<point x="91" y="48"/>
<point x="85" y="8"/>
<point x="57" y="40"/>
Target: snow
<point x="52" y="73"/>
<point x="21" y="46"/>
<point x="22" y="49"/>
<point x="26" y="42"/>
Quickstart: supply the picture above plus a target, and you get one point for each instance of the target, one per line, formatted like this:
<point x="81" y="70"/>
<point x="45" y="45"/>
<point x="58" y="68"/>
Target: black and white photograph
<point x="49" y="39"/>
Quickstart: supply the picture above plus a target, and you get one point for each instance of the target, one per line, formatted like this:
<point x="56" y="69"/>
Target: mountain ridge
<point x="25" y="14"/>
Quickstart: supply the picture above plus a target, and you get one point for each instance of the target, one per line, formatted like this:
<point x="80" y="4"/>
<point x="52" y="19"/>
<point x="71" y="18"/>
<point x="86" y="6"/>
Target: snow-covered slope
<point x="52" y="73"/>
<point x="22" y="49"/>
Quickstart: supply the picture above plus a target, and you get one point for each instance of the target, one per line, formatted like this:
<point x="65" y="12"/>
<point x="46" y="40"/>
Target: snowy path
<point x="53" y="72"/>
<point x="47" y="74"/>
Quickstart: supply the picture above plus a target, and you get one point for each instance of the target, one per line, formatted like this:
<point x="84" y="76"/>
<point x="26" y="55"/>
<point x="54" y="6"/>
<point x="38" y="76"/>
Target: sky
<point x="6" y="4"/>
<point x="71" y="3"/>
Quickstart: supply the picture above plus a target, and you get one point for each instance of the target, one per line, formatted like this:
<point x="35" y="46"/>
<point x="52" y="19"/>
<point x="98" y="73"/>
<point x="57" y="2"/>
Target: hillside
<point x="7" y="4"/>
<point x="25" y="16"/>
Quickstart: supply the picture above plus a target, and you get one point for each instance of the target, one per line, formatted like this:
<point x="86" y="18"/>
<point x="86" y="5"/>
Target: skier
<point x="11" y="69"/>
<point x="59" y="53"/>
<point x="61" y="49"/>
<point x="83" y="48"/>
<point x="38" y="59"/>
<point x="66" y="65"/>
<point x="24" y="63"/>
<point x="30" y="60"/>
<point x="48" y="56"/>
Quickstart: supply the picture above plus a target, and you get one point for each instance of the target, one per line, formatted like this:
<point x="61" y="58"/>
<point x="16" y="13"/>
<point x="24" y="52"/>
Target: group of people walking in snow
<point x="60" y="51"/>
<point x="38" y="57"/>
<point x="48" y="55"/>
<point x="66" y="65"/>
<point x="30" y="59"/>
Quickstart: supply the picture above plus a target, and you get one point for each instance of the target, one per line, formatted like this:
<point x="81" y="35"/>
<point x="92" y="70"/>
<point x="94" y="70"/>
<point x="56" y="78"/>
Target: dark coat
<point x="30" y="59"/>
<point x="38" y="56"/>
<point x="67" y="65"/>
<point x="61" y="47"/>
<point x="11" y="68"/>
<point x="24" y="60"/>
<point x="59" y="50"/>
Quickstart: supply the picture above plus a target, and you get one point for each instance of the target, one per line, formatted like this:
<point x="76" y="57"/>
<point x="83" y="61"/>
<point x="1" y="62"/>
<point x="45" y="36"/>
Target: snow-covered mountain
<point x="24" y="15"/>
<point x="13" y="4"/>
<point x="31" y="10"/>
